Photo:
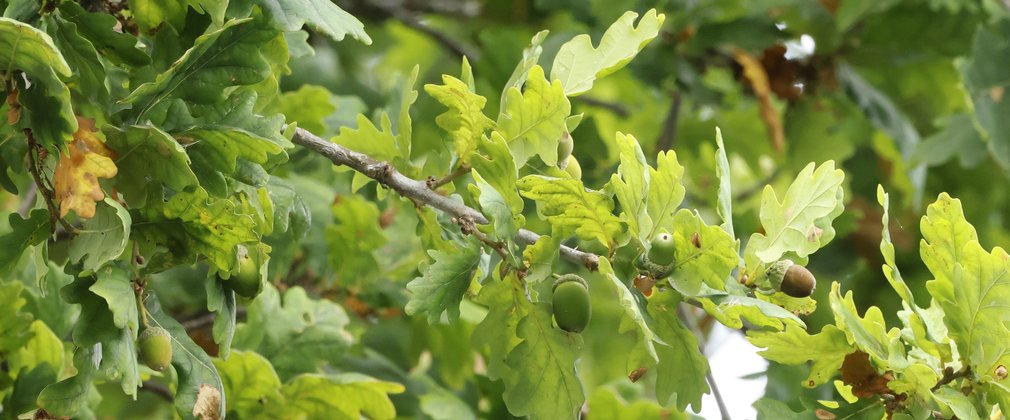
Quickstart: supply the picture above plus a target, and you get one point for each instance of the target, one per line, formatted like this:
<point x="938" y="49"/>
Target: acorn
<point x="791" y="278"/>
<point x="571" y="303"/>
<point x="155" y="345"/>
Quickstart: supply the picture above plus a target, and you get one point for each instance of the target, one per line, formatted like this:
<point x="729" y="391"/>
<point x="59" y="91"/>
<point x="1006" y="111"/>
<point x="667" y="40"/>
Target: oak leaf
<point x="77" y="173"/>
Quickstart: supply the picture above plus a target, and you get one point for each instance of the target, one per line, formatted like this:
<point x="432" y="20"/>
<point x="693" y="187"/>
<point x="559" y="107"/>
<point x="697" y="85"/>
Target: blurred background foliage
<point x="908" y="94"/>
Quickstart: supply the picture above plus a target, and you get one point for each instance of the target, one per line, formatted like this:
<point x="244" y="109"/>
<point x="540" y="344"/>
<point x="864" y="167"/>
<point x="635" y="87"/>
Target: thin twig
<point x="435" y="183"/>
<point x="614" y="107"/>
<point x="668" y="136"/>
<point x="949" y="375"/>
<point x="159" y="389"/>
<point x="693" y="326"/>
<point x="47" y="192"/>
<point x="410" y="20"/>
<point x="418" y="191"/>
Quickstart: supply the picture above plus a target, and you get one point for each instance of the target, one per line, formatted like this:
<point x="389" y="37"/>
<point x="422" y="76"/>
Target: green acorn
<point x="571" y="304"/>
<point x="247" y="282"/>
<point x="155" y="348"/>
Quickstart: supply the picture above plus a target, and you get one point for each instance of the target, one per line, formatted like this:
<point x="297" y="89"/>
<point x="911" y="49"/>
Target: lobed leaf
<point x="569" y="205"/>
<point x="442" y="284"/>
<point x="579" y="63"/>
<point x="533" y="121"/>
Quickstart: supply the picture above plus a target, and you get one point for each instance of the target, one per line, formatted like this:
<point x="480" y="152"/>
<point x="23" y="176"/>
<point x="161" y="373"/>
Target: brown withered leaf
<point x="858" y="373"/>
<point x="77" y="173"/>
<point x="13" y="107"/>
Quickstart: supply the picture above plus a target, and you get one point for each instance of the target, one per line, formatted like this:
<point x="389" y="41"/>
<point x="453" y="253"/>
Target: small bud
<point x="637" y="374"/>
<point x="1001" y="372"/>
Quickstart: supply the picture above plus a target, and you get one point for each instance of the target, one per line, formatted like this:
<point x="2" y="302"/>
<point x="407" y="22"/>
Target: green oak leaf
<point x="24" y="233"/>
<point x="534" y="120"/>
<point x="944" y="235"/>
<point x="291" y="212"/>
<point x="464" y="120"/>
<point x="725" y="202"/>
<point x="14" y="324"/>
<point x="801" y="223"/>
<point x="219" y="60"/>
<point x="496" y="334"/>
<point x="154" y="157"/>
<point x="982" y="75"/>
<point x="368" y="139"/>
<point x="540" y="256"/>
<point x="221" y="146"/>
<point x="633" y="312"/>
<point x="102" y="238"/>
<point x="606" y="403"/>
<point x="731" y="310"/>
<point x="868" y="333"/>
<point x="579" y="63"/>
<point x="113" y="285"/>
<point x="69" y="396"/>
<point x="681" y="370"/>
<point x="925" y="323"/>
<point x="297" y="334"/>
<point x="308" y="106"/>
<point x="442" y="284"/>
<point x="770" y="408"/>
<point x="504" y="223"/>
<point x="568" y="205"/>
<point x="794" y="346"/>
<point x="916" y="382"/>
<point x="404" y="126"/>
<point x="192" y="364"/>
<point x="971" y="285"/>
<point x="46" y="103"/>
<point x="99" y="29"/>
<point x="90" y="79"/>
<point x="221" y="302"/>
<point x="960" y="404"/>
<point x="354" y="237"/>
<point x="321" y="16"/>
<point x="630" y="184"/>
<point x="212" y="226"/>
<point x="497" y="167"/>
<point x="119" y="360"/>
<point x="347" y="396"/>
<point x="250" y="382"/>
<point x="531" y="54"/>
<point x="708" y="258"/>
<point x="666" y="192"/>
<point x="239" y="111"/>
<point x="43" y="346"/>
<point x="545" y="383"/>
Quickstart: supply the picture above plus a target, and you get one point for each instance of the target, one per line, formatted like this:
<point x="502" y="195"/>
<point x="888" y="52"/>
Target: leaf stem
<point x="418" y="191"/>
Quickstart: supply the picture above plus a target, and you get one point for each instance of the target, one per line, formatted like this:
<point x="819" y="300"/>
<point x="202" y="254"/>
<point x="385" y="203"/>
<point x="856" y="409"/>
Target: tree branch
<point x="418" y="191"/>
